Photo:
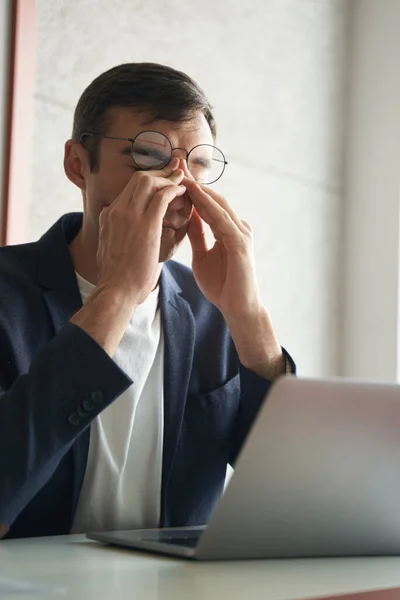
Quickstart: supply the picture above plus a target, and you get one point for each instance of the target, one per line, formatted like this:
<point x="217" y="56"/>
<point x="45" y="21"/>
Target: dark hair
<point x="156" y="90"/>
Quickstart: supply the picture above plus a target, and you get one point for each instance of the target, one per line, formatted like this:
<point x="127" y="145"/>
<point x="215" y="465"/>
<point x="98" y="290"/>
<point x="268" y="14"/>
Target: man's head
<point x="121" y="103"/>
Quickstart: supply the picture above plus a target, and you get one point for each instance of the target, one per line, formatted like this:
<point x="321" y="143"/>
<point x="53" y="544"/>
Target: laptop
<point x="318" y="476"/>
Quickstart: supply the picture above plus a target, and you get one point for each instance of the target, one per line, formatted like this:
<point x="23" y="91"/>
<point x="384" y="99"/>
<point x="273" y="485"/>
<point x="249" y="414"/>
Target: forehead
<point x="125" y="122"/>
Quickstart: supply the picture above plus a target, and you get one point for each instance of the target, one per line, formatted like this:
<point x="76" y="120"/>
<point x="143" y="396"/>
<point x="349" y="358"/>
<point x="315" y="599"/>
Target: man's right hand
<point x="131" y="229"/>
<point x="128" y="253"/>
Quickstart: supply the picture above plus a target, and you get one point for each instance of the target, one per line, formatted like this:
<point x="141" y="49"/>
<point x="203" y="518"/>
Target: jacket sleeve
<point x="68" y="384"/>
<point x="253" y="392"/>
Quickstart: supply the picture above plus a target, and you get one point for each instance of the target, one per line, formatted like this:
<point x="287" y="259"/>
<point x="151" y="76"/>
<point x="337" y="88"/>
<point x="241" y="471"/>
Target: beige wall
<point x="275" y="72"/>
<point x="370" y="338"/>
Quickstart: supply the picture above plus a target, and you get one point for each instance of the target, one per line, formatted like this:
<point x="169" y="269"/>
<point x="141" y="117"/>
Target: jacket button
<point x="74" y="420"/>
<point x="97" y="397"/>
<point x="81" y="412"/>
<point x="88" y="405"/>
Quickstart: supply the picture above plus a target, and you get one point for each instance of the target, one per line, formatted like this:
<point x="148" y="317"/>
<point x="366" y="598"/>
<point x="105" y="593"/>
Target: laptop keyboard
<point x="188" y="541"/>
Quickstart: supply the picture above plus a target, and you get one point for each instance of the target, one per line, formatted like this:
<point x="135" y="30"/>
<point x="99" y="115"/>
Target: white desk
<point x="86" y="570"/>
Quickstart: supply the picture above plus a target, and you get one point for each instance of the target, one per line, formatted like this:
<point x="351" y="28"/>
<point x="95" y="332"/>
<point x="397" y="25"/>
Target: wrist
<point x="125" y="289"/>
<point x="105" y="316"/>
<point x="249" y="320"/>
<point x="256" y="343"/>
<point x="116" y="295"/>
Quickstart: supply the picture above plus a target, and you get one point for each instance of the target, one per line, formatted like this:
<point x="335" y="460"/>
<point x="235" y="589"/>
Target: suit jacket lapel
<point x="61" y="293"/>
<point x="179" y="330"/>
<point x="56" y="273"/>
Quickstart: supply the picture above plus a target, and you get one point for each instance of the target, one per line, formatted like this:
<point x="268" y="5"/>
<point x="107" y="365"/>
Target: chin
<point x="169" y="245"/>
<point x="167" y="252"/>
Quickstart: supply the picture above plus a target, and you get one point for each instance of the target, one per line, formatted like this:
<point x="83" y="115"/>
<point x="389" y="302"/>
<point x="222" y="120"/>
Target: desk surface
<point x="73" y="567"/>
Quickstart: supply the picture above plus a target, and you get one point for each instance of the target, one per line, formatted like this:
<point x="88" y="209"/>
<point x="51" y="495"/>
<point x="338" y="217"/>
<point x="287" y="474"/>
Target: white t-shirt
<point x="122" y="483"/>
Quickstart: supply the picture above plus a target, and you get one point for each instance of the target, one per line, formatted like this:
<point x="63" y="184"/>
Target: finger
<point x="103" y="217"/>
<point x="247" y="226"/>
<point x="168" y="169"/>
<point x="148" y="185"/>
<point x="213" y="214"/>
<point x="197" y="236"/>
<point x="169" y="173"/>
<point x="221" y="201"/>
<point x="159" y="204"/>
<point x="176" y="176"/>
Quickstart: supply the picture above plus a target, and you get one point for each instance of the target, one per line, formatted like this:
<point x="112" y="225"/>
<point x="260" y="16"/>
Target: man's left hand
<point x="226" y="275"/>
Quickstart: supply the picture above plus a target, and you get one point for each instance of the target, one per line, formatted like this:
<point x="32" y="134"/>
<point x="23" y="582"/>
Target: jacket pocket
<point x="212" y="415"/>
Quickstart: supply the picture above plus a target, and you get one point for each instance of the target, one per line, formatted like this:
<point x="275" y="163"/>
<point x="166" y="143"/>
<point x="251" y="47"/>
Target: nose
<point x="180" y="201"/>
<point x="183" y="165"/>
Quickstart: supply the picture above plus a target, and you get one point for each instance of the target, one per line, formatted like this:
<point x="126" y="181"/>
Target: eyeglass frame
<point x="132" y="140"/>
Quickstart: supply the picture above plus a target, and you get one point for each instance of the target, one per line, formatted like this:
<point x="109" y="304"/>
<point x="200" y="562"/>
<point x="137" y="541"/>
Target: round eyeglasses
<point x="152" y="150"/>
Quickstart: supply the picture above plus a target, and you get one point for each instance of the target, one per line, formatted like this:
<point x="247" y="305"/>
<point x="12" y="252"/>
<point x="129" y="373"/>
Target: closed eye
<point x="201" y="162"/>
<point x="143" y="151"/>
<point x="127" y="151"/>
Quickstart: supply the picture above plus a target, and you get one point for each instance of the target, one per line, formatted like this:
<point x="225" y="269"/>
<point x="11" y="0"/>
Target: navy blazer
<point x="55" y="379"/>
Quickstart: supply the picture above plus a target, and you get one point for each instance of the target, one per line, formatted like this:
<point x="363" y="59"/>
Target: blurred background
<point x="306" y="95"/>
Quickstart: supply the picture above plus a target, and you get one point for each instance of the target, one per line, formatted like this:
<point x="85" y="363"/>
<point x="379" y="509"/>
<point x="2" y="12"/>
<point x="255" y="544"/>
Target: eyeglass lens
<point x="153" y="150"/>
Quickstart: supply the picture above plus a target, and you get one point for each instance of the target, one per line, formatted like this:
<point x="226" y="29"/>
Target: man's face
<point x="116" y="167"/>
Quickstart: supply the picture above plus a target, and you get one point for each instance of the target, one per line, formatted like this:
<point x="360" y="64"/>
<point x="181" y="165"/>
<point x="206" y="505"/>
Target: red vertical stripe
<point x="20" y="124"/>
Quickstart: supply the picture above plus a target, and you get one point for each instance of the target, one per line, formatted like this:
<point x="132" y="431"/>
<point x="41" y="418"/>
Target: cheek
<point x="107" y="186"/>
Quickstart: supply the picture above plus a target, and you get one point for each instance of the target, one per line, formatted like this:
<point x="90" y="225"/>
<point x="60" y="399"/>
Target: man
<point x="127" y="381"/>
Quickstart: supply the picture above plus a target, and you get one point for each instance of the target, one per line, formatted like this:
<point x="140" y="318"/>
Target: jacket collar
<point x="56" y="272"/>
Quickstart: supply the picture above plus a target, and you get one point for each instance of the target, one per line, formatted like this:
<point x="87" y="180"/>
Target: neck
<point x="83" y="251"/>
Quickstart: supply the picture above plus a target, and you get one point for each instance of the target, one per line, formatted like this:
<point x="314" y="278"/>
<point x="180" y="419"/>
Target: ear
<point x="76" y="163"/>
